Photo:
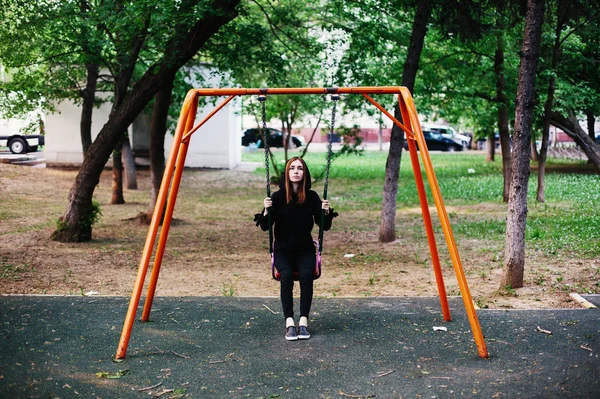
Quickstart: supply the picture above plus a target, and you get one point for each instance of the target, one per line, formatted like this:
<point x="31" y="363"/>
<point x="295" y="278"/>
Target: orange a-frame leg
<point x="175" y="163"/>
<point x="152" y="230"/>
<point x="435" y="258"/>
<point x="408" y="107"/>
<point x="168" y="217"/>
<point x="164" y="233"/>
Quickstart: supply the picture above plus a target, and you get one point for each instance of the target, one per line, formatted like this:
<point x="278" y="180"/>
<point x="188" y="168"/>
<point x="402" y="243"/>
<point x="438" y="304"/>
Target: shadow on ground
<point x="207" y="347"/>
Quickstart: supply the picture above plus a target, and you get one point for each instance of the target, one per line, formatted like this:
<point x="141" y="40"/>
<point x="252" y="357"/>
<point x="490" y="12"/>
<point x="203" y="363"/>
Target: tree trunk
<point x="117" y="174"/>
<point x="72" y="226"/>
<point x="591" y="124"/>
<point x="514" y="256"/>
<point x="387" y="229"/>
<point x="158" y="130"/>
<point x="540" y="195"/>
<point x="535" y="156"/>
<point x="286" y="138"/>
<point x="128" y="165"/>
<point x="92" y="69"/>
<point x="312" y="135"/>
<point x="88" y="96"/>
<point x="541" y="187"/>
<point x="506" y="153"/>
<point x="503" y="130"/>
<point x="490" y="150"/>
<point x="571" y="126"/>
<point x="380" y="133"/>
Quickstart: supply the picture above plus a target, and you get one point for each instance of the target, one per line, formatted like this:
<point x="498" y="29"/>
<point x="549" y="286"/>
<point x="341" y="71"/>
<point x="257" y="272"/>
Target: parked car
<point x="21" y="144"/>
<point x="482" y="141"/>
<point x="275" y="138"/>
<point x="449" y="133"/>
<point x="436" y="142"/>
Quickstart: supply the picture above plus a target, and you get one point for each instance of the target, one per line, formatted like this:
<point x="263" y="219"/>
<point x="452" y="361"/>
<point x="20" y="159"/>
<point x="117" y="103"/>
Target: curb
<point x="583" y="302"/>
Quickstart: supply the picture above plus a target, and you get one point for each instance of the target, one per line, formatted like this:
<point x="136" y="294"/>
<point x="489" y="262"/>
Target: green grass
<point x="569" y="220"/>
<point x="492" y="229"/>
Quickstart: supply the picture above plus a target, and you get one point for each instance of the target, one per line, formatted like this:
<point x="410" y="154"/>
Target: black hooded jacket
<point x="292" y="222"/>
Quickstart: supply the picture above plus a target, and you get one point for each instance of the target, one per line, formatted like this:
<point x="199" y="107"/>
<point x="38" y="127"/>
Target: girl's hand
<point x="267" y="202"/>
<point x="325" y="206"/>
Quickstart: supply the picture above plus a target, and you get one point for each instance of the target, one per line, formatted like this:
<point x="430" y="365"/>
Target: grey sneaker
<point x="303" y="333"/>
<point x="290" y="334"/>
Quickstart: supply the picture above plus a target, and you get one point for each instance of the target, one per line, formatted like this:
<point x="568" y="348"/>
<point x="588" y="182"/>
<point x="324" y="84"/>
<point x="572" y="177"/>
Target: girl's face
<point x="296" y="171"/>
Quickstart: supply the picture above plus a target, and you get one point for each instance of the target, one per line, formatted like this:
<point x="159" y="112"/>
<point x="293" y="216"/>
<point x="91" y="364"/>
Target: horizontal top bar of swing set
<point x="232" y="92"/>
<point x="299" y="90"/>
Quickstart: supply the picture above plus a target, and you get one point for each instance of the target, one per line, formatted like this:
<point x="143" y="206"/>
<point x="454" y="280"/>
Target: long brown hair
<point x="289" y="189"/>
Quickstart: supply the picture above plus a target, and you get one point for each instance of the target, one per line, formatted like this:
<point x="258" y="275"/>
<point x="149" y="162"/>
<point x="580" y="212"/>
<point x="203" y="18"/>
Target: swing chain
<point x="335" y="98"/>
<point x="265" y="131"/>
<point x="263" y="99"/>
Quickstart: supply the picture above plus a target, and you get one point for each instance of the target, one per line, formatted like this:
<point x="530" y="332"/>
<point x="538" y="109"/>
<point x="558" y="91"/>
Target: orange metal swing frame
<point x="174" y="169"/>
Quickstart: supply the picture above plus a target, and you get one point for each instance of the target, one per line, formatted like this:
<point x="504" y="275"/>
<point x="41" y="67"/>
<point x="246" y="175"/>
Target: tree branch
<point x="272" y="28"/>
<point x="457" y="53"/>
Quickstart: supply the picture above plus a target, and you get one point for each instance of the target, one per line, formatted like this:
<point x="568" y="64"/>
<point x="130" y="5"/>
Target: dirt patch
<point x="214" y="249"/>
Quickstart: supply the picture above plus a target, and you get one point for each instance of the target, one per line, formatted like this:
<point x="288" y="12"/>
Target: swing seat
<point x="295" y="274"/>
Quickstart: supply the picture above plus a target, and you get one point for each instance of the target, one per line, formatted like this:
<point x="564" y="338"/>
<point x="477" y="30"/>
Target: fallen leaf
<point x="115" y="375"/>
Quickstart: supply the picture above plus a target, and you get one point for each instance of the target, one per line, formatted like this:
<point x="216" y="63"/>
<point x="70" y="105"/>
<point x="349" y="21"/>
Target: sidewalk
<point x="35" y="159"/>
<point x="228" y="347"/>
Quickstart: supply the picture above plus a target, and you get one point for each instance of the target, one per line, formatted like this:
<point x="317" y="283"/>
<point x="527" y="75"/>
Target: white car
<point x="21" y="144"/>
<point x="449" y="133"/>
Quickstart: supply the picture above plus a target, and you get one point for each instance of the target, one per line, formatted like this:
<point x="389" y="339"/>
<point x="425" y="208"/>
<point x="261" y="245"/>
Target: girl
<point x="294" y="209"/>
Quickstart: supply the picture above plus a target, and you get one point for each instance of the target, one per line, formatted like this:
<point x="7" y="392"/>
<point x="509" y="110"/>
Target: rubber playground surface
<point x="231" y="347"/>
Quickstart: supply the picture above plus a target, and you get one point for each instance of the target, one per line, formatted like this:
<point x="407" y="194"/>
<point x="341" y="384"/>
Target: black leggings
<point x="304" y="263"/>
